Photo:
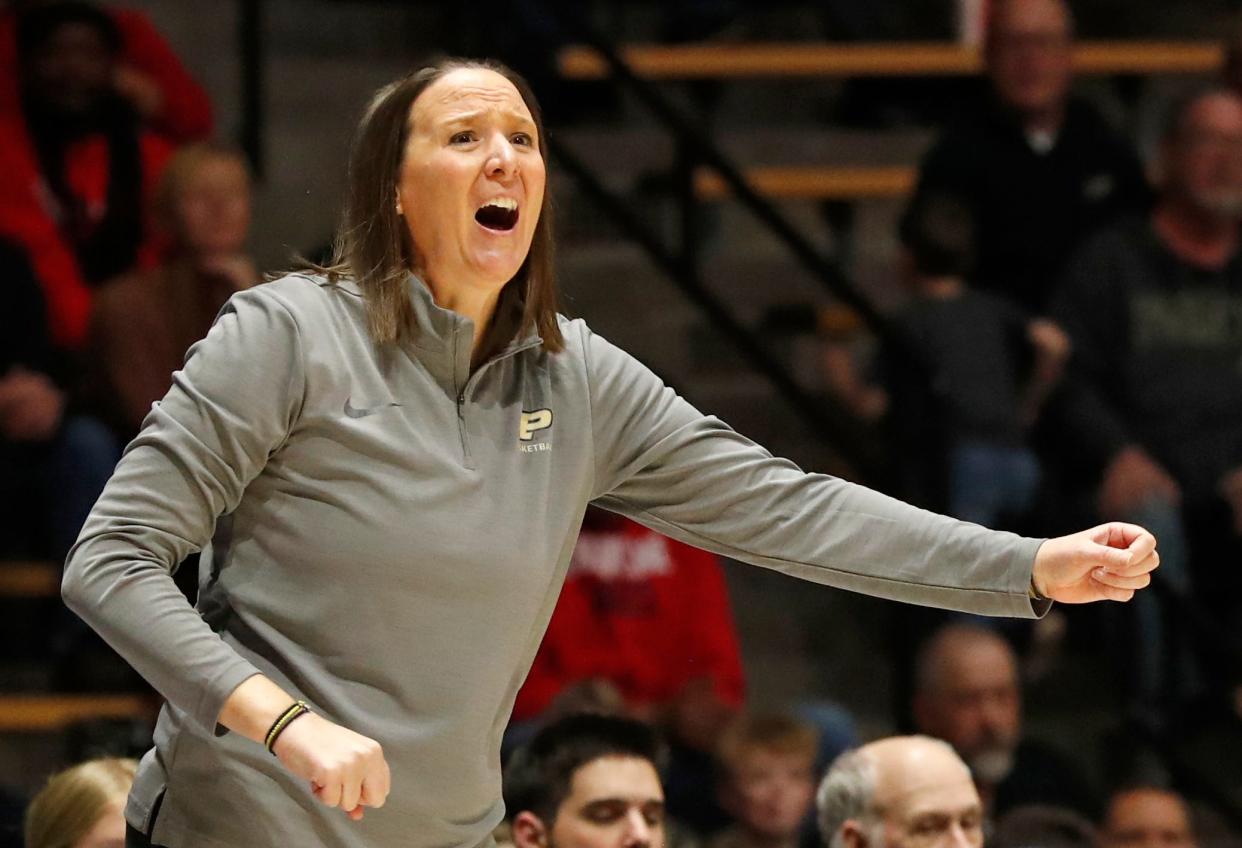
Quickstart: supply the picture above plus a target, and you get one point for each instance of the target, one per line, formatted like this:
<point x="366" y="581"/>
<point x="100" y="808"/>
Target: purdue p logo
<point x="533" y="422"/>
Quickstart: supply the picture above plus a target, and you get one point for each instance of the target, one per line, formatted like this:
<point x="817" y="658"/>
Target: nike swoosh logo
<point x="362" y="412"/>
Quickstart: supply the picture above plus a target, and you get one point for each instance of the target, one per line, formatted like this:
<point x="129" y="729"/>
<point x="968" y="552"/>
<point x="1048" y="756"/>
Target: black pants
<point x="135" y="838"/>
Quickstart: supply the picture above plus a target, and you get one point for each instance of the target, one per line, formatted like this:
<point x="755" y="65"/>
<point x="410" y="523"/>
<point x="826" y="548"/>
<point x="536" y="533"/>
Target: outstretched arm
<point x="664" y="464"/>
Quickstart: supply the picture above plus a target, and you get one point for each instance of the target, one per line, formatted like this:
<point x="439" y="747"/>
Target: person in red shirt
<point x="148" y="75"/>
<point x="76" y="168"/>
<point x="642" y="627"/>
<point x="648" y="616"/>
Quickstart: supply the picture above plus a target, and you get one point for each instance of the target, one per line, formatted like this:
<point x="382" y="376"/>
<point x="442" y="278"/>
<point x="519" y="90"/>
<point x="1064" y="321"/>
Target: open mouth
<point x="500" y="214"/>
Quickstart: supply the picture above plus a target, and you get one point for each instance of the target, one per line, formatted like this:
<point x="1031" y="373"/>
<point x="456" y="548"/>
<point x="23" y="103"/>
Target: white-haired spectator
<point x="900" y="792"/>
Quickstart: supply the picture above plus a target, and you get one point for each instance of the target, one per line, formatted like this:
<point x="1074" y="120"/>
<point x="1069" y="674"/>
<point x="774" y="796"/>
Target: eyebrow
<point x="648" y="804"/>
<point x="973" y="809"/>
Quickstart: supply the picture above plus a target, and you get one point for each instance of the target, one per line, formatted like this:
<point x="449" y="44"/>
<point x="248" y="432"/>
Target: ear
<point x="853" y="835"/>
<point x="528" y="831"/>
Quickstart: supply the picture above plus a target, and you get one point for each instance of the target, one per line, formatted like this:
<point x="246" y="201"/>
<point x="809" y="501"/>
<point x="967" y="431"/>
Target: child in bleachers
<point x="144" y="322"/>
<point x="986" y="369"/>
<point x="767" y="781"/>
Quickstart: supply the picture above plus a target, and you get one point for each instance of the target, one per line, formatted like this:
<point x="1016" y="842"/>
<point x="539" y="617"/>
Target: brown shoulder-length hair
<point x="373" y="244"/>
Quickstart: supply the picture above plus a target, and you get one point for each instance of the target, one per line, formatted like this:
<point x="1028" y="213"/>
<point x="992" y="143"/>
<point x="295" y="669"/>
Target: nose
<point x="638" y="833"/>
<point x="960" y="836"/>
<point x="501" y="158"/>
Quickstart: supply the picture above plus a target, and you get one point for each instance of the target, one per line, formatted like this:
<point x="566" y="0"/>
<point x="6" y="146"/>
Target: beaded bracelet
<point x="296" y="709"/>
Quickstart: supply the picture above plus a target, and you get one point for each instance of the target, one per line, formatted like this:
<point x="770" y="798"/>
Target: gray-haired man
<point x="900" y="792"/>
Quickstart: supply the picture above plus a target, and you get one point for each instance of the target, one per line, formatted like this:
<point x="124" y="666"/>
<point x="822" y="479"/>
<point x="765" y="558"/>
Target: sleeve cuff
<point x="218" y="691"/>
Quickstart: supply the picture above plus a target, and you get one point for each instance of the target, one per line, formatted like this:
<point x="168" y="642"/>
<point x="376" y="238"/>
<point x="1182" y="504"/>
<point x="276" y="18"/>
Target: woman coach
<point x="404" y="446"/>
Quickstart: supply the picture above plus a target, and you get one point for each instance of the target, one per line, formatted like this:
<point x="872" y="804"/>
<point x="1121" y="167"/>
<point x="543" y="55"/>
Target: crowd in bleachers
<point x="1071" y="345"/>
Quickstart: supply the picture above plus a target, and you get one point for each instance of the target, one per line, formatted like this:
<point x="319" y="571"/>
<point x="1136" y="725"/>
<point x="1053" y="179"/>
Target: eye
<point x="523" y="139"/>
<point x="463" y="137"/>
<point x="605" y="813"/>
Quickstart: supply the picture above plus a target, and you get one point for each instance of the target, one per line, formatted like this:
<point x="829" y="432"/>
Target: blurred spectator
<point x="766" y="780"/>
<point x="53" y="464"/>
<point x="650" y="617"/>
<point x="12" y="810"/>
<point x="966" y="692"/>
<point x="1038" y="826"/>
<point x="1231" y="71"/>
<point x="75" y="166"/>
<point x="143" y="323"/>
<point x="1038" y="168"/>
<point x="1147" y="817"/>
<point x="82" y="807"/>
<point x="899" y="792"/>
<point x="987" y="369"/>
<point x="1153" y="306"/>
<point x="148" y="75"/>
<point x="586" y="781"/>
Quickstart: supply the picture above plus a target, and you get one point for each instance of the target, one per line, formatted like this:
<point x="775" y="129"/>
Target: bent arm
<point x="228" y="409"/>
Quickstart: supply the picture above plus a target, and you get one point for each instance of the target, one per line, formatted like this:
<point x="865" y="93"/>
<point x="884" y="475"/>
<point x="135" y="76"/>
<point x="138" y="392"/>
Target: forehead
<point x="1146" y="807"/>
<point x="1028" y="15"/>
<point x="630" y="778"/>
<point x="1214" y="113"/>
<point x="915" y="776"/>
<point x="763" y="758"/>
<point x="971" y="664"/>
<point x="923" y="794"/>
<point x="466" y="90"/>
<point x="218" y="168"/>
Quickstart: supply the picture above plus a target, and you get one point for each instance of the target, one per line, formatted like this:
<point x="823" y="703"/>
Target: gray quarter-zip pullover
<point x="397" y="532"/>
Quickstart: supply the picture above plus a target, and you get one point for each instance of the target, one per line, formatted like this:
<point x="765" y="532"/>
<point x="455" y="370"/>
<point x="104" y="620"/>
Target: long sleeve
<point x="667" y="466"/>
<point x="232" y="405"/>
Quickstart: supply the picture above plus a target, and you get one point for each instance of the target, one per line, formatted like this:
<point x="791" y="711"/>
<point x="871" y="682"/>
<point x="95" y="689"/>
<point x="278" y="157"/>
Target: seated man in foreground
<point x="899" y="791"/>
<point x="586" y="781"/>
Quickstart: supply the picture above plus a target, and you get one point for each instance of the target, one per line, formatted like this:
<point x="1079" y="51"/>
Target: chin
<point x="498" y="271"/>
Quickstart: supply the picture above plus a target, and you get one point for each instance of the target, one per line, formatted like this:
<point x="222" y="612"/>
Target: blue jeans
<point x="83" y="458"/>
<point x="989" y="481"/>
<point x="1163" y="669"/>
<point x="48" y="488"/>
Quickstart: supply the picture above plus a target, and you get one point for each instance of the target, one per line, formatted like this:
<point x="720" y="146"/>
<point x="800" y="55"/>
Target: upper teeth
<point x="503" y="203"/>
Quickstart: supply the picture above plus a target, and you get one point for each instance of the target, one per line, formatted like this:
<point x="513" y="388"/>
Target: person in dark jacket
<point x="53" y="464"/>
<point x="1039" y="168"/>
<point x="1154" y="308"/>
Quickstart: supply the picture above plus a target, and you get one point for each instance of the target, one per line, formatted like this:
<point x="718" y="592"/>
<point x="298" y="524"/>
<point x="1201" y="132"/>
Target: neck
<point x="1048" y="120"/>
<point x="1195" y="234"/>
<point x="204" y="258"/>
<point x="941" y="288"/>
<point x="476" y="302"/>
<point x="762" y="840"/>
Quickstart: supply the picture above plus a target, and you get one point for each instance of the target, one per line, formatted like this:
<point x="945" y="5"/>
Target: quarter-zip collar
<point x="443" y="331"/>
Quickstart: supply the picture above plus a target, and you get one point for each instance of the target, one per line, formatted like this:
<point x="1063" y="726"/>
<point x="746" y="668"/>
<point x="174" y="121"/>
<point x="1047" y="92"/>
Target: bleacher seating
<point x="719" y="61"/>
